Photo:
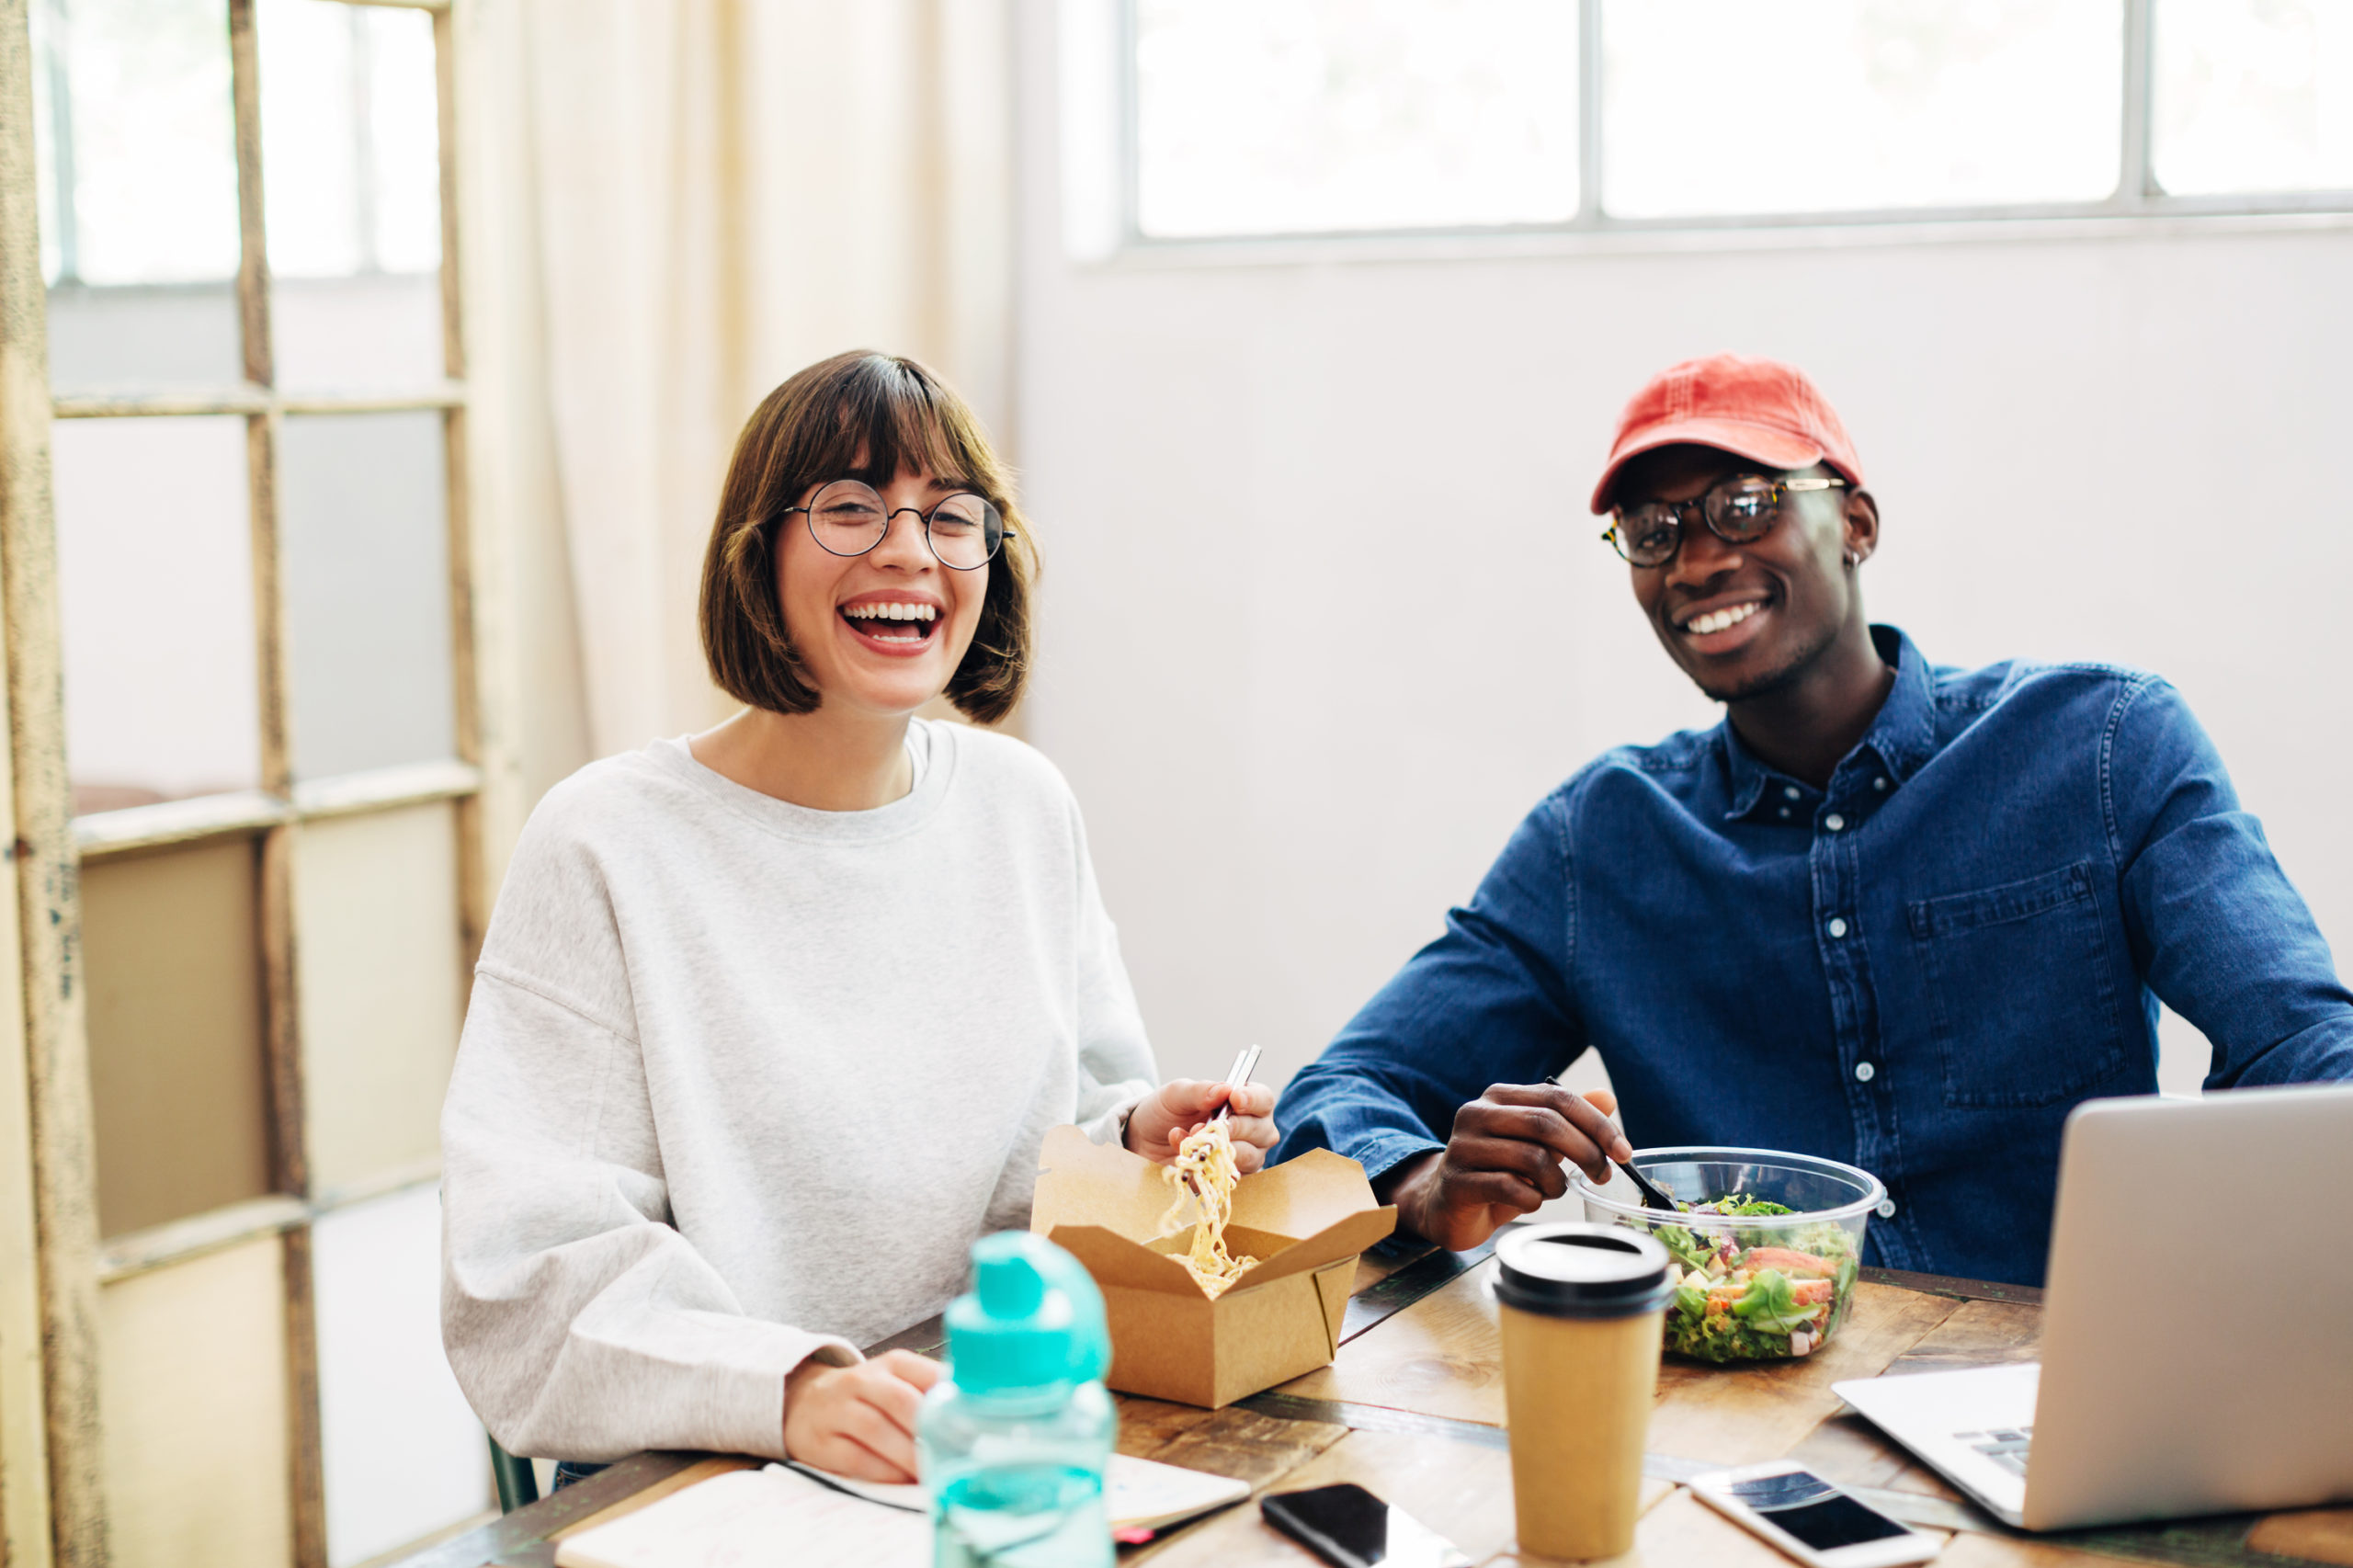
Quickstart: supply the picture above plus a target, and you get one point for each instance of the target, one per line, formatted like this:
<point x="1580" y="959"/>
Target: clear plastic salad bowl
<point x="1751" y="1285"/>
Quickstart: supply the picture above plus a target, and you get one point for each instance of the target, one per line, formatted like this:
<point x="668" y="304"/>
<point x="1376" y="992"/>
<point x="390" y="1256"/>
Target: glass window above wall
<point x="351" y="168"/>
<point x="1857" y="105"/>
<point x="2253" y="96"/>
<point x="1332" y="117"/>
<point x="138" y="139"/>
<point x="350" y="143"/>
<point x="1297" y="116"/>
<point x="136" y="161"/>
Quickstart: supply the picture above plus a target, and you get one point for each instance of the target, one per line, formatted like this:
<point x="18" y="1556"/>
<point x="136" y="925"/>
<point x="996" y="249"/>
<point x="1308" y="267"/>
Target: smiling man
<point x="1890" y="912"/>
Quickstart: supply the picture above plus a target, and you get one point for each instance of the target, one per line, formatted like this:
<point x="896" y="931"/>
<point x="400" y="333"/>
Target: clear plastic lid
<point x="1814" y="1188"/>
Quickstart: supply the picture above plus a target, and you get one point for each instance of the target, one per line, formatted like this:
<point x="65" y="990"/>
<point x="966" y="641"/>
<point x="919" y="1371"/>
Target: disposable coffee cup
<point x="1582" y="1308"/>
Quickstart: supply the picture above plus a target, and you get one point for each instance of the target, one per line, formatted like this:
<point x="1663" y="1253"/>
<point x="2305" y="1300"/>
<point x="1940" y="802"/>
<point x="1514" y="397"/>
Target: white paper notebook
<point x="750" y="1517"/>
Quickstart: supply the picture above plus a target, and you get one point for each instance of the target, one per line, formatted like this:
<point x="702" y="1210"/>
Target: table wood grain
<point x="1413" y="1408"/>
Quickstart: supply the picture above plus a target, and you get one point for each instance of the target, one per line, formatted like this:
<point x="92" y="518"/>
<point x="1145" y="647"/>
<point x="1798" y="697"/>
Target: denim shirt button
<point x="1880" y="782"/>
<point x="1887" y="1208"/>
<point x="1791" y="790"/>
<point x="1837" y="927"/>
<point x="1865" y="1071"/>
<point x="1833" y="822"/>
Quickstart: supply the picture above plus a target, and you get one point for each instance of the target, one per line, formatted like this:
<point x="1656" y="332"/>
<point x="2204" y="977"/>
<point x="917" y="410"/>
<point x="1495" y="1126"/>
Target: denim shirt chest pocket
<point x="2021" y="992"/>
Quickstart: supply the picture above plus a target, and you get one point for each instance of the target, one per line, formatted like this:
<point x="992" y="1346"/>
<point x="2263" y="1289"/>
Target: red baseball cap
<point x="1758" y="409"/>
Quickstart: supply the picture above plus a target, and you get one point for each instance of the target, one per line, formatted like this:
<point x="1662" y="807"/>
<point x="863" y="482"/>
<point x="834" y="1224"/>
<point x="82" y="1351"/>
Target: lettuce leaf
<point x="1690" y="1250"/>
<point x="1740" y="1205"/>
<point x="1771" y="1305"/>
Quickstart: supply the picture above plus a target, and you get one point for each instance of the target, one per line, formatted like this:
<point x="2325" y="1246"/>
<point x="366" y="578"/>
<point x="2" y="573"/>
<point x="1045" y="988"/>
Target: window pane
<point x="376" y="906"/>
<point x="363" y="515"/>
<point x="388" y="1404"/>
<point x="310" y="140"/>
<point x="351" y="161"/>
<point x="376" y="330"/>
<point x="171" y="952"/>
<point x="1283" y="116"/>
<point x="144" y="335"/>
<point x="193" y="1406"/>
<point x="403" y="133"/>
<point x="1855" y="105"/>
<point x="153" y="148"/>
<point x="156" y="591"/>
<point x="134" y="333"/>
<point x="2254" y="95"/>
<point x="350" y="144"/>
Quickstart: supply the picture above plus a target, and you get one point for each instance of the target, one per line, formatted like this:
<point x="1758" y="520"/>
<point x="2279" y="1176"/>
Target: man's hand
<point x="1502" y="1160"/>
<point x="1183" y="1105"/>
<point x="857" y="1421"/>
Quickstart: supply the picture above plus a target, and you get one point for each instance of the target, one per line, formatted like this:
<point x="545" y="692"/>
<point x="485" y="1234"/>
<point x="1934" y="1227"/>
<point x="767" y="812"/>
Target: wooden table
<point x="1413" y="1408"/>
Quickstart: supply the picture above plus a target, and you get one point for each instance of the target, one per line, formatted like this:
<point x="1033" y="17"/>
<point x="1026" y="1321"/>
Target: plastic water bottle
<point x="1012" y="1443"/>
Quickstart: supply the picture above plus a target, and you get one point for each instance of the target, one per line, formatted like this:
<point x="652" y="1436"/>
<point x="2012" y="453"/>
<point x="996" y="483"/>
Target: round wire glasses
<point x="1738" y="510"/>
<point x="964" y="531"/>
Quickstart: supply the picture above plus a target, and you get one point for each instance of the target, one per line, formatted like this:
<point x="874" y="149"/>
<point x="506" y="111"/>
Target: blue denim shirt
<point x="1919" y="971"/>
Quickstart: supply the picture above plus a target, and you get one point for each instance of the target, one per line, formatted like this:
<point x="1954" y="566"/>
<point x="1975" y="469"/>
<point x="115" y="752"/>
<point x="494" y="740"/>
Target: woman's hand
<point x="1503" y="1161"/>
<point x="1182" y="1106"/>
<point x="857" y="1421"/>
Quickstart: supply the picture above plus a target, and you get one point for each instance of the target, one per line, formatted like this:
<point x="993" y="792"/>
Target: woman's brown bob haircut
<point x="856" y="415"/>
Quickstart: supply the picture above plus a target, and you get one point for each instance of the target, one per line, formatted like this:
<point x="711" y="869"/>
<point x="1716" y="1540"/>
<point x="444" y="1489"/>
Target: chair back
<point x="518" y="1483"/>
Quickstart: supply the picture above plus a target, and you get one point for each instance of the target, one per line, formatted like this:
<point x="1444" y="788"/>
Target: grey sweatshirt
<point x="741" y="1082"/>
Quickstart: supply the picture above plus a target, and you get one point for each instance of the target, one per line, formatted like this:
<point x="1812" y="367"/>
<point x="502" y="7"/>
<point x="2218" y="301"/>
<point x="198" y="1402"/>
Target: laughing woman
<point x="770" y="1020"/>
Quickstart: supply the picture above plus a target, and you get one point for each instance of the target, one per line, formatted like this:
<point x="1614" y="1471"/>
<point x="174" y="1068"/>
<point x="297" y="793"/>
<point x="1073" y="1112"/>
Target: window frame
<point x="55" y="1488"/>
<point x="2137" y="197"/>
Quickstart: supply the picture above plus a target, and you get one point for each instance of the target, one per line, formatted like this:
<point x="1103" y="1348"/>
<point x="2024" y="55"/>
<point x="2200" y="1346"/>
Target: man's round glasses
<point x="847" y="517"/>
<point x="1738" y="510"/>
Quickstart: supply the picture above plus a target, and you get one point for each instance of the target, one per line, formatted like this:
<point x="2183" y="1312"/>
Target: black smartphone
<point x="1350" y="1528"/>
<point x="1812" y="1519"/>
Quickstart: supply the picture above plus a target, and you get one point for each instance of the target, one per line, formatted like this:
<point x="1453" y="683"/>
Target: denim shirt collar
<point x="1903" y="737"/>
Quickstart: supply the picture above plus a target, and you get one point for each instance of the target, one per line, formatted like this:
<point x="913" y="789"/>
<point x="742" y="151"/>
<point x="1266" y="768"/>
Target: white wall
<point x="1325" y="613"/>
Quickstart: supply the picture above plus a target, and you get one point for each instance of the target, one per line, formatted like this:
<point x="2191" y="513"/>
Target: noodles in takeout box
<point x="1238" y="1285"/>
<point x="1204" y="1175"/>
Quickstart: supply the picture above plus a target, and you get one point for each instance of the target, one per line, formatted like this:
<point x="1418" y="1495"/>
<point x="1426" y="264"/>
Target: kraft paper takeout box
<point x="1304" y="1220"/>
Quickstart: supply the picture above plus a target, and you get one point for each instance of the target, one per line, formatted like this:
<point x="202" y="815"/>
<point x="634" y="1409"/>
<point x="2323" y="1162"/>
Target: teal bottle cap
<point x="1033" y="1319"/>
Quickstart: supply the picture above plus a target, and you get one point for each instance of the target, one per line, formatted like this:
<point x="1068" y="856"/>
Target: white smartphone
<point x="1810" y="1519"/>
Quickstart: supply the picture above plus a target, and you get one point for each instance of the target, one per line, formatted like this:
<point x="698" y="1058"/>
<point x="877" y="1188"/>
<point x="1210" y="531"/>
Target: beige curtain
<point x="671" y="205"/>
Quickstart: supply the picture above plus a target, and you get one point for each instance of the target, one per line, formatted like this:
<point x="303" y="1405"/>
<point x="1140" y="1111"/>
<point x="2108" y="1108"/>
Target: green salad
<point x="1755" y="1293"/>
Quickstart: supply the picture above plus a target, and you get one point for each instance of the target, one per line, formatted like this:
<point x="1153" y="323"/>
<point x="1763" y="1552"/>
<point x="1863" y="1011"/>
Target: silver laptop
<point x="2197" y="1325"/>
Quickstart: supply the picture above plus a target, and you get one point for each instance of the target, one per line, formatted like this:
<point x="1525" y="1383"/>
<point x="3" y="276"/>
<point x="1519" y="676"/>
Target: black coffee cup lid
<point x="1582" y="1271"/>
